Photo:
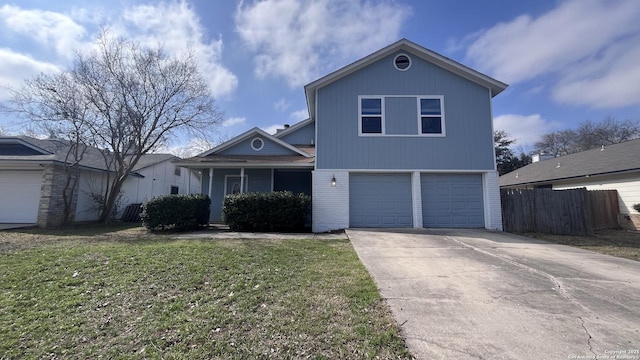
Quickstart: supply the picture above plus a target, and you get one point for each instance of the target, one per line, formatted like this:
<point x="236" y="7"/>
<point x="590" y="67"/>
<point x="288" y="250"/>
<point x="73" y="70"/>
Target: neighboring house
<point x="612" y="167"/>
<point x="400" y="138"/>
<point x="33" y="177"/>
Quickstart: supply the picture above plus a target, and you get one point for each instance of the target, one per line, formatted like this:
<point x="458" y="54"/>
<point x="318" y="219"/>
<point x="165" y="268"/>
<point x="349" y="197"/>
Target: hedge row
<point x="179" y="212"/>
<point x="272" y="211"/>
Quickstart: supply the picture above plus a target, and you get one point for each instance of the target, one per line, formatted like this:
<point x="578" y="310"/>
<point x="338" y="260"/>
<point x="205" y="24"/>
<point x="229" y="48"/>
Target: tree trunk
<point x="106" y="216"/>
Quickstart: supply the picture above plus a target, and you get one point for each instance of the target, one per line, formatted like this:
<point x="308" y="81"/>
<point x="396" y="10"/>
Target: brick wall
<point x="330" y="204"/>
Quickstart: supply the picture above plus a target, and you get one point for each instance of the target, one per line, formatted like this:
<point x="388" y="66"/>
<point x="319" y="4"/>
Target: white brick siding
<point x="330" y="205"/>
<point x="416" y="199"/>
<point x="492" y="207"/>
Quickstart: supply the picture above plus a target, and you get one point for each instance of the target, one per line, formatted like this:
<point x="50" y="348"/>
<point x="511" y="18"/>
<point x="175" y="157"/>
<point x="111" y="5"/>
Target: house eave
<point x="495" y="86"/>
<point x="242" y="164"/>
<point x="575" y="177"/>
<point x="248" y="134"/>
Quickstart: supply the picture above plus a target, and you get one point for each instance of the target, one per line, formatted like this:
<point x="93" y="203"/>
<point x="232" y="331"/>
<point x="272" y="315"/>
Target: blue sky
<point x="565" y="61"/>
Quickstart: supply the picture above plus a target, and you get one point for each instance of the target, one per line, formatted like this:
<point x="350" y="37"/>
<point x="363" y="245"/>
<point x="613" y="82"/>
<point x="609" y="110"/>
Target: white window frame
<point x="441" y="116"/>
<point x="360" y="115"/>
<point x="261" y="143"/>
<point x="418" y="108"/>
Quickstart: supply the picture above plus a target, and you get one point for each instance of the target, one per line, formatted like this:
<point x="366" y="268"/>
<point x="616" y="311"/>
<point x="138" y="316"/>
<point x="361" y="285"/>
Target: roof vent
<point x="286" y="126"/>
<point x="402" y="62"/>
<point x="602" y="148"/>
<point x="558" y="165"/>
<point x="540" y="157"/>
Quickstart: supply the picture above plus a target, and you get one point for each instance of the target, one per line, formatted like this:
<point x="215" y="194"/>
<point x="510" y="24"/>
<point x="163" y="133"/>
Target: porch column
<point x="210" y="182"/>
<point x="188" y="181"/>
<point x="241" y="180"/>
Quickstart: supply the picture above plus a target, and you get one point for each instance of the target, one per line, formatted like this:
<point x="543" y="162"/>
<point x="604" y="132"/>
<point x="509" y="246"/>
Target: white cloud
<point x="612" y="80"/>
<point x="299" y="115"/>
<point x="173" y="25"/>
<point x="177" y="27"/>
<point x="282" y="104"/>
<point x="16" y="67"/>
<point x="300" y="39"/>
<point x="54" y="30"/>
<point x="525" y="129"/>
<point x="234" y="121"/>
<point x="581" y="43"/>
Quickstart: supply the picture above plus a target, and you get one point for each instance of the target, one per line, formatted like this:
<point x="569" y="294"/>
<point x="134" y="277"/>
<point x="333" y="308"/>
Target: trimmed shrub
<point x="272" y="211"/>
<point x="179" y="212"/>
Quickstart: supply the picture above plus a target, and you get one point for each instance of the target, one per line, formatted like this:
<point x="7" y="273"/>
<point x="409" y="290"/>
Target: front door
<point x="232" y="184"/>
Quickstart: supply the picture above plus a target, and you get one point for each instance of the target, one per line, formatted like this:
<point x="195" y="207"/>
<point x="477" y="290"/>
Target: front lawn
<point x="620" y="243"/>
<point x="109" y="295"/>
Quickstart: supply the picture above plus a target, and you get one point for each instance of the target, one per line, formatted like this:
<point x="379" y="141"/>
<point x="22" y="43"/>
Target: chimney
<point x="286" y="126"/>
<point x="541" y="157"/>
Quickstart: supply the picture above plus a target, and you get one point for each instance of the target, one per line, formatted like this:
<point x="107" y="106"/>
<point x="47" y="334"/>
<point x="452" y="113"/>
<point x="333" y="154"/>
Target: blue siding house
<point x="400" y="138"/>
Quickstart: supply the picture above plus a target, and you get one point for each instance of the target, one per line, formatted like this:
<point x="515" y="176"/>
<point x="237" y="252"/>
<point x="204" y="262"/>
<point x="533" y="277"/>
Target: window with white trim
<point x="371" y="115"/>
<point x="431" y="115"/>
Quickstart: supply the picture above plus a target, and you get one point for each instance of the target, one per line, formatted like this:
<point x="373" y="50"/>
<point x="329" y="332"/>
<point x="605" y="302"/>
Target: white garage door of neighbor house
<point x="20" y="196"/>
<point x="380" y="200"/>
<point x="452" y="200"/>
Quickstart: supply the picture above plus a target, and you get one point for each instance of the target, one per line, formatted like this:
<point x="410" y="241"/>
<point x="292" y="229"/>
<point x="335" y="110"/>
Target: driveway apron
<point x="476" y="294"/>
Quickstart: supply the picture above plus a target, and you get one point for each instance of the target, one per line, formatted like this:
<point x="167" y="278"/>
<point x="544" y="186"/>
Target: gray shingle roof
<point x="611" y="159"/>
<point x="92" y="158"/>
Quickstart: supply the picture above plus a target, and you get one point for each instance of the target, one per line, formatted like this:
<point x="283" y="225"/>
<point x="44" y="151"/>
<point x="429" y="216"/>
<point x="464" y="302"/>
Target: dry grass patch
<point x="620" y="243"/>
<point x="129" y="294"/>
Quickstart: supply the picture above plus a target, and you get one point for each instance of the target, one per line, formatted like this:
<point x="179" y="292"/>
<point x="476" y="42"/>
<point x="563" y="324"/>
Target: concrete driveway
<point x="475" y="294"/>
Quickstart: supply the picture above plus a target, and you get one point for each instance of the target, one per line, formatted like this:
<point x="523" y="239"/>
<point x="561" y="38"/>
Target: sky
<point x="565" y="61"/>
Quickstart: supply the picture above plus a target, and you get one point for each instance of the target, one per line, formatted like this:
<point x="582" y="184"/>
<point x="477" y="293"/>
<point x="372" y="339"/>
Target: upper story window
<point x="431" y="116"/>
<point x="371" y="115"/>
<point x="176" y="171"/>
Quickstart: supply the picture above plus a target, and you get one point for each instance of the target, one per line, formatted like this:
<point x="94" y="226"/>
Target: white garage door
<point x="20" y="196"/>
<point x="452" y="200"/>
<point x="380" y="200"/>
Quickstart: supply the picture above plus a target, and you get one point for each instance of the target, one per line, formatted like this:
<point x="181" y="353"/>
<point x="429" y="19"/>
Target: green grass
<point x="150" y="296"/>
<point x="620" y="243"/>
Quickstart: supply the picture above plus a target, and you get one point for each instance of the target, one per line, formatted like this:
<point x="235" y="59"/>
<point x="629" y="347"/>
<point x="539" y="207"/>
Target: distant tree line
<point x="588" y="135"/>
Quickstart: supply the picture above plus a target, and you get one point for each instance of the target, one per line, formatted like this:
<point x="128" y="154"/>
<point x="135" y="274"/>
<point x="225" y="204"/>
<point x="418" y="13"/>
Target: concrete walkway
<point x="475" y="294"/>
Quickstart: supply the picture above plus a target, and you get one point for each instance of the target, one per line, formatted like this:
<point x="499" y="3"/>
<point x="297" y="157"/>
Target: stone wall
<point x="51" y="210"/>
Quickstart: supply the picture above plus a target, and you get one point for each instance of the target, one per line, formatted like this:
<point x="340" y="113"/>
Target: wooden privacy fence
<point x="563" y="212"/>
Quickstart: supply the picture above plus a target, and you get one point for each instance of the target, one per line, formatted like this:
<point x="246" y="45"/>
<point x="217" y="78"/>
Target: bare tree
<point x="591" y="135"/>
<point x="557" y="143"/>
<point x="588" y="135"/>
<point x="123" y="99"/>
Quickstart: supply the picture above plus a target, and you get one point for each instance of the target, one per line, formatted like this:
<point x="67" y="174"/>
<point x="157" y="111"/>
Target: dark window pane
<point x="430" y="107"/>
<point x="174" y="190"/>
<point x="371" y="125"/>
<point x="431" y="125"/>
<point x="371" y="106"/>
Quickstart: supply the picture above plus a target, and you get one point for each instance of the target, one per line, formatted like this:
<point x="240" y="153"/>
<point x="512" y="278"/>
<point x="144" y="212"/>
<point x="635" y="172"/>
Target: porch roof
<point x="247" y="161"/>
